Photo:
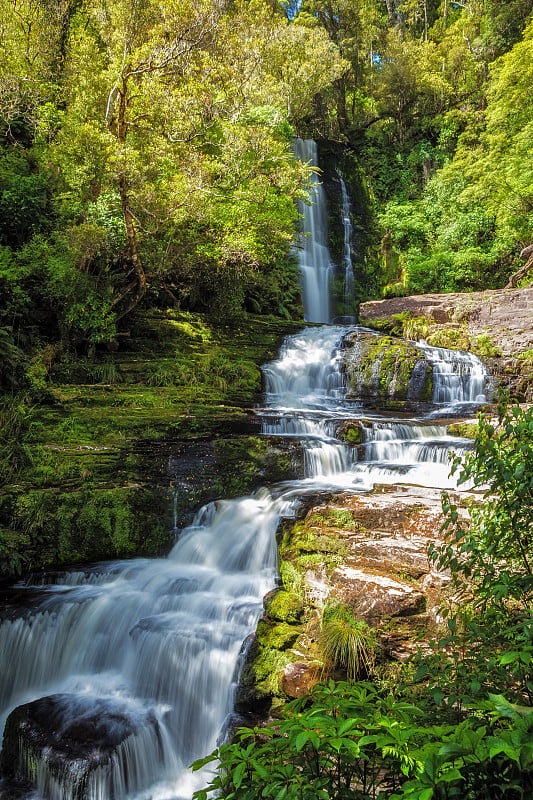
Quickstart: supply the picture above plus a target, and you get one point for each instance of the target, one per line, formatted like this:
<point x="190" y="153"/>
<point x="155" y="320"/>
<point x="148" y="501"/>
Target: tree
<point x="185" y="118"/>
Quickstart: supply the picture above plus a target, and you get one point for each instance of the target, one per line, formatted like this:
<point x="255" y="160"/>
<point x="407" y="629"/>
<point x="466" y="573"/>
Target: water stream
<point x="156" y="643"/>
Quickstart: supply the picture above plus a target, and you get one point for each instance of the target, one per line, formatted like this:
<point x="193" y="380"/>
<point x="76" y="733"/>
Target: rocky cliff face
<point x="495" y="325"/>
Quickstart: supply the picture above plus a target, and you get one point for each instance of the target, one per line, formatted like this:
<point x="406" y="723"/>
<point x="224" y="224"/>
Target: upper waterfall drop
<point x="349" y="280"/>
<point x="316" y="266"/>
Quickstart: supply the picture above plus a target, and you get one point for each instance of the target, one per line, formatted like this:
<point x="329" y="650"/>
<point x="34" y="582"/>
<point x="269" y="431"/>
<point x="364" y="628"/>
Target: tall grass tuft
<point x="347" y="642"/>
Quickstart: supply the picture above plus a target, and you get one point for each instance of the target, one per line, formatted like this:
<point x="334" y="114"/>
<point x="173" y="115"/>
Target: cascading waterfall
<point x="316" y="266"/>
<point x="458" y="377"/>
<point x="157" y="642"/>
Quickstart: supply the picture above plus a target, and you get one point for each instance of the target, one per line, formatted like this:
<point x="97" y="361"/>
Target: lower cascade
<point x="117" y="677"/>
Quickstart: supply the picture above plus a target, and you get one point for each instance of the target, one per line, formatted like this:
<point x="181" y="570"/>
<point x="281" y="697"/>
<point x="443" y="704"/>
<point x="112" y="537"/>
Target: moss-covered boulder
<point x="350" y="431"/>
<point x="385" y="369"/>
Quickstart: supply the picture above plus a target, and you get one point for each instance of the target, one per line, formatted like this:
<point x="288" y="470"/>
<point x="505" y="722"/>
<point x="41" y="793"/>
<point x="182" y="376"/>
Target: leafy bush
<point x="353" y="743"/>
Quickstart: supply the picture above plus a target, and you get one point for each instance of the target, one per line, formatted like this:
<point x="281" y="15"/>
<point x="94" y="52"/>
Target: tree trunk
<point x="121" y="130"/>
<point x="341" y="103"/>
<point x="513" y="280"/>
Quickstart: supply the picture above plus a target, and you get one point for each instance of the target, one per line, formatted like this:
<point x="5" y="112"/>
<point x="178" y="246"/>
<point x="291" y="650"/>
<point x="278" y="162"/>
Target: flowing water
<point x="157" y="643"/>
<point x="315" y="262"/>
<point x="349" y="280"/>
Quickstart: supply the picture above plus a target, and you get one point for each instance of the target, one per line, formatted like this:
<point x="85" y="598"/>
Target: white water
<point x="305" y="397"/>
<point x="316" y="267"/>
<point x="349" y="282"/>
<point x="459" y="377"/>
<point x="160" y="639"/>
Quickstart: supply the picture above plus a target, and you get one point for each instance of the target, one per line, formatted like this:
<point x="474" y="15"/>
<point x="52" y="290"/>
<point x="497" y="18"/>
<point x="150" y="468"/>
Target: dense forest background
<point x="149" y="200"/>
<point x="145" y="153"/>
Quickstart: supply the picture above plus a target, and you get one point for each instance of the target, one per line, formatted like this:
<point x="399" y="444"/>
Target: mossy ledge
<point x="103" y="456"/>
<point x="368" y="552"/>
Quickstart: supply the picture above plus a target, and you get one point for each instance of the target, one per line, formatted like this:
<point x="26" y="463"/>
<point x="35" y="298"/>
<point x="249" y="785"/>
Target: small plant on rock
<point x="347" y="642"/>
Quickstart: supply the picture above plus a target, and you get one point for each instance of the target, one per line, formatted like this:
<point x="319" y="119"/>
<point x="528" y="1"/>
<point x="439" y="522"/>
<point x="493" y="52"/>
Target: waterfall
<point x="316" y="267"/>
<point x="458" y="377"/>
<point x="349" y="282"/>
<point x="156" y="643"/>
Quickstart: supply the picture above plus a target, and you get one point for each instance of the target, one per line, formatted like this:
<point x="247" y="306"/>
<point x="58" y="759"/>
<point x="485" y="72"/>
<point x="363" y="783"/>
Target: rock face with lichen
<point x="495" y="325"/>
<point x="386" y="369"/>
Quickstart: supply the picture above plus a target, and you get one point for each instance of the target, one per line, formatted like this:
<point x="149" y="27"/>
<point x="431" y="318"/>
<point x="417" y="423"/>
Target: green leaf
<point x="239" y="774"/>
<point x="301" y="740"/>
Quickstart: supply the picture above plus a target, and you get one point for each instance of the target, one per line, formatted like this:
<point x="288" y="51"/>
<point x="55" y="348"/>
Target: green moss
<point x="334" y="517"/>
<point x="483" y="346"/>
<point x="451" y="338"/>
<point x="303" y="538"/>
<point x="277" y="635"/>
<point x="59" y="528"/>
<point x="285" y="607"/>
<point x="350" y="432"/>
<point x="463" y="429"/>
<point x="526" y="356"/>
<point x="265" y="670"/>
<point x="293" y="579"/>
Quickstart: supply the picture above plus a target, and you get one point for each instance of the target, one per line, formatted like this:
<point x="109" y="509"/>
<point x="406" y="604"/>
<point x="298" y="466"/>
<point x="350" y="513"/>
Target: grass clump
<point x="347" y="642"/>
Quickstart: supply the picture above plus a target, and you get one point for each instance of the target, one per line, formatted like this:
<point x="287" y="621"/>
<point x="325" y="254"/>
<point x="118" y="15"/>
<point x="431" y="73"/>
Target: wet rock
<point x="63" y="741"/>
<point x="386" y="369"/>
<point x="298" y="678"/>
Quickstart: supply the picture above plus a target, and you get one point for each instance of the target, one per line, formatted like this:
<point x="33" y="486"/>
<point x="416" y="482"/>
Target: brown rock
<point x="438" y="314"/>
<point x="393" y="553"/>
<point x="298" y="678"/>
<point x="433" y="585"/>
<point x="504" y="315"/>
<point x="376" y="594"/>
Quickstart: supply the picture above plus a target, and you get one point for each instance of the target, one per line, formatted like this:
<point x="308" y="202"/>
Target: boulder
<point x="385" y="369"/>
<point x="376" y="594"/>
<point x="298" y="678"/>
<point x="62" y="744"/>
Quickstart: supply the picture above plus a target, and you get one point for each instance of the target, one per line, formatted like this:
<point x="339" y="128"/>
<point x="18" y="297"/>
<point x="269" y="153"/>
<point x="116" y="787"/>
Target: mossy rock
<point x="463" y="429"/>
<point x="259" y="685"/>
<point x="384" y="368"/>
<point x="276" y="635"/>
<point x="351" y="432"/>
<point x="284" y="606"/>
<point x="91" y="524"/>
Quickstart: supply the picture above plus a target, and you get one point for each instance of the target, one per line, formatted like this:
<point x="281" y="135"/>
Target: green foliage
<point x="92" y="319"/>
<point x="347" y="642"/>
<point x="493" y="552"/>
<point x="346" y="744"/>
<point x="15" y="453"/>
<point x="24" y="198"/>
<point x="353" y="743"/>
